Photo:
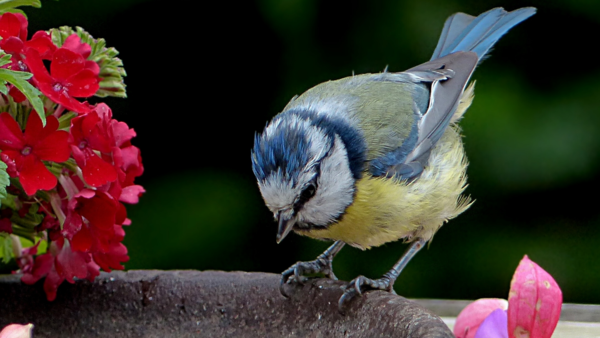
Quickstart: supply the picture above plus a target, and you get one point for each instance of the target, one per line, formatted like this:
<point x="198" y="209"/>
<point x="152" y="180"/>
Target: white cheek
<point x="335" y="188"/>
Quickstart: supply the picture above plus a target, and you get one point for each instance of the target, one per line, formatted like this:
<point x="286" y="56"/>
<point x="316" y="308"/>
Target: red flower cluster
<point x="77" y="172"/>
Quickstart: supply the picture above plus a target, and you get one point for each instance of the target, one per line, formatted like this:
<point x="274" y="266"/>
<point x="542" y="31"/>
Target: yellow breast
<point x="386" y="210"/>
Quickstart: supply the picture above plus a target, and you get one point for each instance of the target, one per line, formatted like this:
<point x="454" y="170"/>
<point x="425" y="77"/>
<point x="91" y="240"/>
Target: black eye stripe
<point x="307" y="193"/>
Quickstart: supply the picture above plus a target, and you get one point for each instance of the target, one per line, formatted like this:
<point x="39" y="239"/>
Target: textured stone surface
<point x="147" y="303"/>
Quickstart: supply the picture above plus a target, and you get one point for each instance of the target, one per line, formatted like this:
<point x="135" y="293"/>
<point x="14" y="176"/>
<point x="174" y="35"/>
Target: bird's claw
<point x="295" y="274"/>
<point x="360" y="284"/>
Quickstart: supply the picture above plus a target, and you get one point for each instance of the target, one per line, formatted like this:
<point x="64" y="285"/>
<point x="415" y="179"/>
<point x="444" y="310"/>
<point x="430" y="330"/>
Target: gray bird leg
<point x="323" y="264"/>
<point x="386" y="283"/>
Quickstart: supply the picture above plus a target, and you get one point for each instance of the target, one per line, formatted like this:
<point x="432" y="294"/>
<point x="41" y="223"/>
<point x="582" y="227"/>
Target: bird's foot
<point x="296" y="273"/>
<point x="361" y="284"/>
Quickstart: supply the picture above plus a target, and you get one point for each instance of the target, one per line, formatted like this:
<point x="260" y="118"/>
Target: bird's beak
<point x="285" y="226"/>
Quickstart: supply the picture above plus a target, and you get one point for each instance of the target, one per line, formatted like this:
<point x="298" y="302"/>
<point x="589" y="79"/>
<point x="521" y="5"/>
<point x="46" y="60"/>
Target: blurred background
<point x="201" y="82"/>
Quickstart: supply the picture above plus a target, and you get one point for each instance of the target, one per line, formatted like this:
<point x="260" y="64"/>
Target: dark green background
<point x="203" y="78"/>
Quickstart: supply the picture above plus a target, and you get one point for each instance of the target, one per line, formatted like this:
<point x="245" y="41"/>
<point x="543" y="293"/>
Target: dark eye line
<point x="309" y="190"/>
<point x="307" y="193"/>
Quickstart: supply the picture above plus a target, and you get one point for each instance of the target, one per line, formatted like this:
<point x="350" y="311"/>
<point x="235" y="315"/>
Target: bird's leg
<point x="362" y="283"/>
<point x="323" y="264"/>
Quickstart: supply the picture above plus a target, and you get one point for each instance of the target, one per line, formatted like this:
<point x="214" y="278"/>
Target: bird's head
<point x="303" y="173"/>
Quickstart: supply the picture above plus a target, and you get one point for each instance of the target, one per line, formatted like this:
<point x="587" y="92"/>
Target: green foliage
<point x="111" y="67"/>
<point x="6" y="252"/>
<point x="25" y="226"/>
<point x="4" y="181"/>
<point x="10" y="5"/>
<point x="64" y="121"/>
<point x="19" y="80"/>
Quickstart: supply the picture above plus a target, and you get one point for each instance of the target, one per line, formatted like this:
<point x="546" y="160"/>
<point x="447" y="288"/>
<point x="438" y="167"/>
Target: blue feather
<point x="287" y="150"/>
<point x="480" y="33"/>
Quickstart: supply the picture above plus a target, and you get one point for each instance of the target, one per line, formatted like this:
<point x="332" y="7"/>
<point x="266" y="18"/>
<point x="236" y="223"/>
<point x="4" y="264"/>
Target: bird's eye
<point x="306" y="194"/>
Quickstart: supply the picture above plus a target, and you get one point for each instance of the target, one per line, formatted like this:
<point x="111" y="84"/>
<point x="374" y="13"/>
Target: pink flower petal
<point x="474" y="314"/>
<point x="535" y="302"/>
<point x="86" y="193"/>
<point x="17" y="331"/>
<point x="51" y="283"/>
<point x="494" y="326"/>
<point x="70" y="264"/>
<point x="73" y="43"/>
<point x="111" y="259"/>
<point x="93" y="270"/>
<point x="42" y="265"/>
<point x="131" y="194"/>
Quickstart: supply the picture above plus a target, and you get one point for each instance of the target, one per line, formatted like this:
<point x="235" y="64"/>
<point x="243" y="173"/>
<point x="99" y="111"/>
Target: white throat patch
<point x="335" y="190"/>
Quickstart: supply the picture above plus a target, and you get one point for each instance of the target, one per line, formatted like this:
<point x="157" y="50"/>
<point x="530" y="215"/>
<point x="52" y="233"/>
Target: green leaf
<point x="64" y="121"/>
<point x="111" y="67"/>
<point x="6" y="252"/>
<point x="9" y="201"/>
<point x="4" y="181"/>
<point x="30" y="220"/>
<point x="7" y="5"/>
<point x="4" y="59"/>
<point x="19" y="80"/>
<point x="28" y="243"/>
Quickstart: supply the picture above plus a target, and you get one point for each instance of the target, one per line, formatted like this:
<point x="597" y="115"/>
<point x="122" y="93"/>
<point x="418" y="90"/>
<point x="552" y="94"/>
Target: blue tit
<point x="375" y="158"/>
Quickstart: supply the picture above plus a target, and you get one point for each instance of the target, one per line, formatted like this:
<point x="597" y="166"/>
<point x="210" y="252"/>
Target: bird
<point x="378" y="157"/>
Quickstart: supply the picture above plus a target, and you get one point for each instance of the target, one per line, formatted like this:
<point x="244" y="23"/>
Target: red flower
<point x="69" y="77"/>
<point x="58" y="264"/>
<point x="91" y="221"/>
<point x="74" y="44"/>
<point x="42" y="42"/>
<point x="13" y="30"/>
<point x="24" y="152"/>
<point x="90" y="134"/>
<point x="112" y="258"/>
<point x="126" y="157"/>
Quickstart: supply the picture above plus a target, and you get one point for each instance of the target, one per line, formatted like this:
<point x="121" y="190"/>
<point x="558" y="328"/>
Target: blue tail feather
<point x="463" y="32"/>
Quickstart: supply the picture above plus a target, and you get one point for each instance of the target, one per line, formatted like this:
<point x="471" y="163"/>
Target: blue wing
<point x="463" y="43"/>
